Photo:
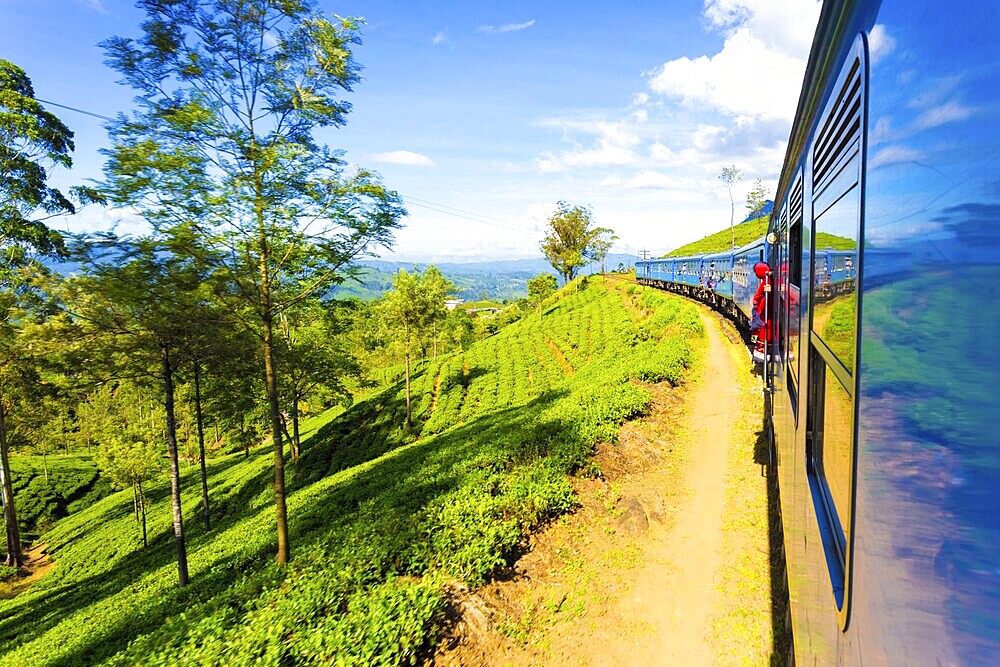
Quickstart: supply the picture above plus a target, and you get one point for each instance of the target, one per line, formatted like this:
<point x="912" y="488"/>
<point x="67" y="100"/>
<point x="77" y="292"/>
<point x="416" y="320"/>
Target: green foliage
<point x="756" y="199"/>
<point x="828" y="240"/>
<point x="32" y="140"/>
<point x="571" y="240"/>
<point x="46" y="490"/>
<point x="541" y="287"/>
<point x="744" y="233"/>
<point x="917" y="324"/>
<point x="839" y="330"/>
<point x="384" y="519"/>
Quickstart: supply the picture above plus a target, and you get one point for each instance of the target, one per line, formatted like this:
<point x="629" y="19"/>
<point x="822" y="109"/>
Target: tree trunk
<point x="296" y="440"/>
<point x="287" y="435"/>
<point x="271" y="379"/>
<point x="14" y="556"/>
<point x="206" y="516"/>
<point x="142" y="510"/>
<point x="135" y="501"/>
<point x="270" y="373"/>
<point x="409" y="422"/>
<point x="175" y="478"/>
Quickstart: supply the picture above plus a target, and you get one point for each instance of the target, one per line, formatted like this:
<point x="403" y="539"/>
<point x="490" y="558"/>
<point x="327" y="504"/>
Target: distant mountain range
<point x="493" y="280"/>
<point x="528" y="267"/>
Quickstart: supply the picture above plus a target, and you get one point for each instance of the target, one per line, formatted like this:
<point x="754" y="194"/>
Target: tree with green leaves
<point x="127" y="431"/>
<point x="730" y="176"/>
<point x="601" y="245"/>
<point x="756" y="200"/>
<point x="32" y="141"/>
<point x="136" y="300"/>
<point x="411" y="311"/>
<point x="540" y="288"/>
<point x="569" y="240"/>
<point x="230" y="94"/>
<point x="315" y="359"/>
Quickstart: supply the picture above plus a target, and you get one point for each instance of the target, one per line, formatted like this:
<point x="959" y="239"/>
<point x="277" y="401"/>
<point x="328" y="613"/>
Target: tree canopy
<point x="32" y="140"/>
<point x="222" y="152"/>
<point x="569" y="242"/>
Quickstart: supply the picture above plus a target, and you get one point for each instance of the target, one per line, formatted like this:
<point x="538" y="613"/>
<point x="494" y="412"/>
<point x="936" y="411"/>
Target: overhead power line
<point x="414" y="201"/>
<point x="63" y="106"/>
<point x="465" y="215"/>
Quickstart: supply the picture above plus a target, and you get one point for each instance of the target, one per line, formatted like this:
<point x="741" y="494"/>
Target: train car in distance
<point x="723" y="280"/>
<point x="883" y="368"/>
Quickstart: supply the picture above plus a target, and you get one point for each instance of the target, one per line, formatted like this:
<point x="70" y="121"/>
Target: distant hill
<point x="745" y="232"/>
<point x="494" y="280"/>
<point x="768" y="208"/>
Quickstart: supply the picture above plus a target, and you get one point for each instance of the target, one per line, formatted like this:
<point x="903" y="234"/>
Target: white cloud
<point x="936" y="93"/>
<point x="880" y="43"/>
<point x="650" y="180"/>
<point x="506" y="27"/>
<point x="404" y="157"/>
<point x="939" y="115"/>
<point x="96" y="5"/>
<point x="640" y="99"/>
<point x="439" y="39"/>
<point x="786" y="26"/>
<point x="663" y="155"/>
<point x="612" y="145"/>
<point x="745" y="78"/>
<point x="538" y="213"/>
<point x="758" y="72"/>
<point x="894" y="155"/>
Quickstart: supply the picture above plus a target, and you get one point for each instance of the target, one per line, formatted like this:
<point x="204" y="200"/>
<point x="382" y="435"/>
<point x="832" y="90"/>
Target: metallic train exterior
<point x="884" y="373"/>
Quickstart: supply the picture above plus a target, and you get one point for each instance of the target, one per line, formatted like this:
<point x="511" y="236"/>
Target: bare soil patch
<point x="666" y="561"/>
<point x="36" y="565"/>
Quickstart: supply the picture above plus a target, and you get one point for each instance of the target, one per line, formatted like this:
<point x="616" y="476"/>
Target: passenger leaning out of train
<point x="760" y="327"/>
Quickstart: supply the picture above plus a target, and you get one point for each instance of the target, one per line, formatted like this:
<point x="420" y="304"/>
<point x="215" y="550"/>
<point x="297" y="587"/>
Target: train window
<point x="837" y="217"/>
<point x="794" y="293"/>
<point x="830" y="466"/>
<point x="837" y="182"/>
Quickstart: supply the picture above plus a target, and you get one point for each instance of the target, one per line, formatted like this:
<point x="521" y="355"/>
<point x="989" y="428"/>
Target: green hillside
<point x="50" y="488"/>
<point x="745" y="232"/>
<point x="384" y="521"/>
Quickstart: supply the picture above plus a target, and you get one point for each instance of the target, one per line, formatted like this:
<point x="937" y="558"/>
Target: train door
<point x="836" y="158"/>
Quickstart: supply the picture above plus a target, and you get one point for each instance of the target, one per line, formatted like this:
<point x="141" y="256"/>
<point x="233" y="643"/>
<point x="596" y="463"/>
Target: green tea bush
<point x="70" y="484"/>
<point x="383" y="519"/>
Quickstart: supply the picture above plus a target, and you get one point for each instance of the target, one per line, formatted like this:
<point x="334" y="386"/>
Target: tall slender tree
<point x="410" y="312"/>
<point x="139" y="292"/>
<point x="32" y="141"/>
<point x="730" y="176"/>
<point x="230" y="94"/>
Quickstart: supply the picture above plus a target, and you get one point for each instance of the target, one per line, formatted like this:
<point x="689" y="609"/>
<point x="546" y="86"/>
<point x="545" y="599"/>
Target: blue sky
<point x="483" y="115"/>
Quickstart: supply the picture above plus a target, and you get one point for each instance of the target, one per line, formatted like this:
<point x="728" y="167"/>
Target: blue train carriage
<point x="885" y="391"/>
<point x="744" y="282"/>
<point x="654" y="272"/>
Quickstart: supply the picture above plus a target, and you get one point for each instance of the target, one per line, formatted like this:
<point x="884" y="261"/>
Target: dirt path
<point x="36" y="565"/>
<point x="665" y="563"/>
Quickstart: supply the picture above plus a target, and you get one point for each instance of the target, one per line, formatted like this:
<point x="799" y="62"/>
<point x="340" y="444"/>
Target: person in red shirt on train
<point x="760" y="327"/>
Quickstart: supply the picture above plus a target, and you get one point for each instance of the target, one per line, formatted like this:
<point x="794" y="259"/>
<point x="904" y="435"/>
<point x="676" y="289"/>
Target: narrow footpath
<point x="666" y="562"/>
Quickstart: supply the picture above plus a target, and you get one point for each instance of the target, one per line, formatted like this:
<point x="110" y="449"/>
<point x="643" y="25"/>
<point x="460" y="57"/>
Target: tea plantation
<point x="384" y="520"/>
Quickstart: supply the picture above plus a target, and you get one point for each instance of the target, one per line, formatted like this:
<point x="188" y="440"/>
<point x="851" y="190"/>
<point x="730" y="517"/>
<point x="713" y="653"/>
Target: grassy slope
<point x="381" y="520"/>
<point x="41" y="498"/>
<point x="745" y="232"/>
<point x="749" y="231"/>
